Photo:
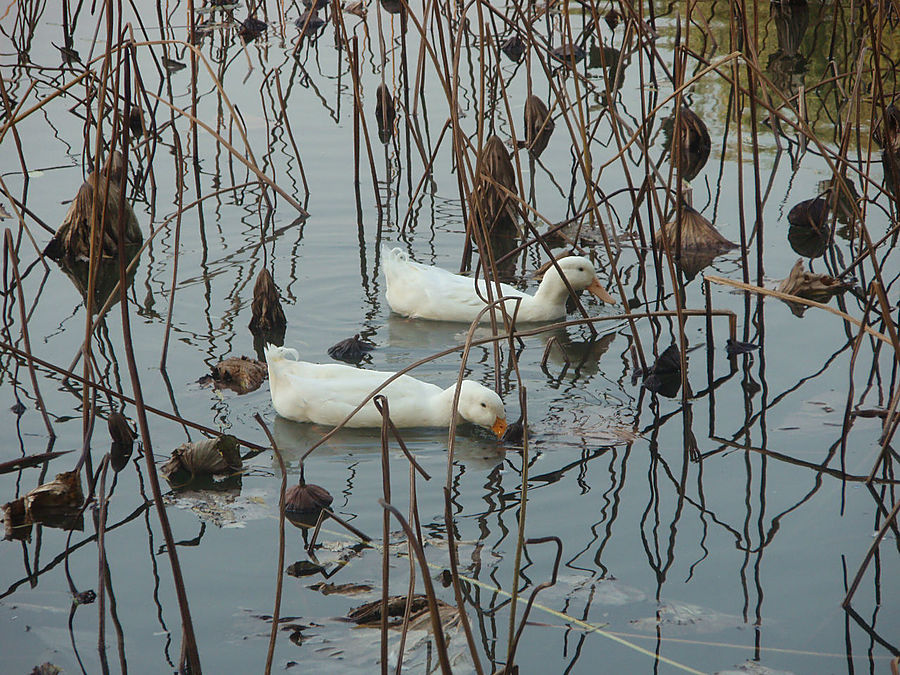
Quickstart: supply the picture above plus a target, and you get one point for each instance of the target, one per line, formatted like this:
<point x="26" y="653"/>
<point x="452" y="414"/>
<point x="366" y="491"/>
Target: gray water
<point x="667" y="564"/>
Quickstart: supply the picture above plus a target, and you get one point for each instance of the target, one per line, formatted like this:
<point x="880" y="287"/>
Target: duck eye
<point x="483" y="405"/>
<point x="581" y="269"/>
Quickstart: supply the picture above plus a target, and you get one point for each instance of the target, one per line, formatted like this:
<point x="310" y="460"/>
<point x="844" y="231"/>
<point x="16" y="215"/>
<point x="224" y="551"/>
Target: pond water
<point x="735" y="557"/>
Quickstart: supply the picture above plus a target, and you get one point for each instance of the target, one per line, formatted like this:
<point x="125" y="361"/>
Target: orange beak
<point x="499" y="427"/>
<point x="598" y="291"/>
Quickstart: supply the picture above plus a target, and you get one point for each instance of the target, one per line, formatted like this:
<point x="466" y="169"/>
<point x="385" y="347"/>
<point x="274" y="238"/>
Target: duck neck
<point x="552" y="292"/>
<point x="442" y="408"/>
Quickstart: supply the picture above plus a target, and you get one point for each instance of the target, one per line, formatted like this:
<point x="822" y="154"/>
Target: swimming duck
<point x="424" y="292"/>
<point x="327" y="393"/>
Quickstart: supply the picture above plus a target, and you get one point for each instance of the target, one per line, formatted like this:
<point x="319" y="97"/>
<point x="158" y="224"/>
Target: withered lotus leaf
<point x="266" y="307"/>
<point x="396" y="606"/>
<point x="219" y="455"/>
<point x="240" y="374"/>
<point x="62" y="494"/>
<point x="122" y="440"/>
<point x="99" y="196"/>
<point x="538" y="125"/>
<point x="809" y="285"/>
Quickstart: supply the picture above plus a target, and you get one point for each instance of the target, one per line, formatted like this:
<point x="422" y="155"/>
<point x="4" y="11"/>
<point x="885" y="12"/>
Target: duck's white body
<point x="327" y="393"/>
<point x="424" y="292"/>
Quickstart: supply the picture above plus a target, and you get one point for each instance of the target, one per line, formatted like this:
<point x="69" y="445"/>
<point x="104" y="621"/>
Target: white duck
<point x="327" y="393"/>
<point x="424" y="292"/>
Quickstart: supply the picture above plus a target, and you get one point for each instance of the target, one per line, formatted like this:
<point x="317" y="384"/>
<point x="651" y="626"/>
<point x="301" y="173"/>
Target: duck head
<point x="581" y="276"/>
<point x="481" y="406"/>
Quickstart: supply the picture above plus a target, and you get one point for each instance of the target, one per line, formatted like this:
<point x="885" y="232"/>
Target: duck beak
<point x="499" y="427"/>
<point x="598" y="291"/>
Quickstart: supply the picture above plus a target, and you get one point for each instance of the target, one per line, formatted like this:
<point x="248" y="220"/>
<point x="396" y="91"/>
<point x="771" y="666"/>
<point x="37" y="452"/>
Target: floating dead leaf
<point x="171" y="65"/>
<point x="304" y="568"/>
<point x="46" y="668"/>
<point x="514" y="434"/>
<point x="754" y="667"/>
<point x="266" y="307"/>
<point x="351" y="350"/>
<point x="57" y="503"/>
<point x="239" y="373"/>
<point x="693" y="143"/>
<point x="809" y="285"/>
<point x="693" y="617"/>
<point x="735" y="347"/>
<point x="100" y="197"/>
<point x="16" y="522"/>
<point x="122" y="440"/>
<point x="370" y="613"/>
<point x="326" y="588"/>
<point x="538" y="126"/>
<point x="217" y="456"/>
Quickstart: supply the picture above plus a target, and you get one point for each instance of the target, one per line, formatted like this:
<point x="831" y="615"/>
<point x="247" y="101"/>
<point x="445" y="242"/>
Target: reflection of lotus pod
<point x="122" y="441"/>
<point x="384" y="113"/>
<point x="392" y="6"/>
<point x="16" y="523"/>
<point x="62" y="495"/>
<point x="350" y="350"/>
<point x="514" y="48"/>
<point x="211" y="456"/>
<point x="664" y="376"/>
<point x="812" y="213"/>
<point x="266" y="308"/>
<point x="73" y="238"/>
<point x="538" y="125"/>
<point x="694" y="143"/>
<point x="808" y="242"/>
<point x="106" y="279"/>
<point x="490" y="201"/>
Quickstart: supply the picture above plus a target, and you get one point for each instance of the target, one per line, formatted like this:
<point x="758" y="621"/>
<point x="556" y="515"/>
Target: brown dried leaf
<point x="73" y="238"/>
<point x="266" y="308"/>
<point x="489" y="197"/>
<point x="211" y="456"/>
<point x="538" y="125"/>
<point x="326" y="588"/>
<point x="357" y="8"/>
<point x="804" y="284"/>
<point x="62" y="494"/>
<point x="370" y="612"/>
<point x="240" y="374"/>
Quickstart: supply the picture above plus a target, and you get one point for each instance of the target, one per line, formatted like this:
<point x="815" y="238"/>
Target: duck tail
<point x="275" y="353"/>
